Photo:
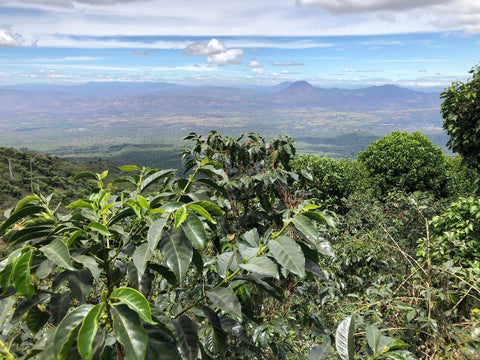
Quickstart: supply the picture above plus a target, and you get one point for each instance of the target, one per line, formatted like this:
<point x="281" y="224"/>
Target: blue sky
<point x="343" y="43"/>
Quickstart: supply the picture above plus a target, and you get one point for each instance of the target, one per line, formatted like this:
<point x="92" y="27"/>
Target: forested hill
<point x="23" y="172"/>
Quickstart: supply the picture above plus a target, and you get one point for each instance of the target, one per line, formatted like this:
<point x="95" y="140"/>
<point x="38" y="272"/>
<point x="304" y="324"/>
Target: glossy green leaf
<point x="143" y="202"/>
<point x="155" y="177"/>
<point x="288" y="254"/>
<point x="226" y="262"/>
<point x="261" y="265"/>
<point x="201" y="211"/>
<point x="24" y="306"/>
<point x="180" y="216"/>
<point x="28" y="210"/>
<point x="252" y="237"/>
<point x="100" y="228"/>
<point x="373" y="338"/>
<point x="6" y="273"/>
<point x="58" y="252"/>
<point x="140" y="281"/>
<point x="135" y="301"/>
<point x="128" y="330"/>
<point x="306" y="227"/>
<point x="319" y="352"/>
<point x="155" y="232"/>
<point x="21" y="275"/>
<point x="395" y="344"/>
<point x="27" y="200"/>
<point x="90" y="263"/>
<point x="225" y="299"/>
<point x="81" y="204"/>
<point x="187" y="335"/>
<point x="30" y="233"/>
<point x="344" y="341"/>
<point x="85" y="175"/>
<point x="210" y="207"/>
<point x="141" y="256"/>
<point x="67" y="331"/>
<point x="88" y="331"/>
<point x="195" y="232"/>
<point x="320" y="217"/>
<point x="172" y="206"/>
<point x="129" y="168"/>
<point x="177" y="252"/>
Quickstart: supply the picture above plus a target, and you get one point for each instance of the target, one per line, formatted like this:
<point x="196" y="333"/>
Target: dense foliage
<point x="24" y="172"/>
<point x="410" y="162"/>
<point x="165" y="274"/>
<point x="253" y="253"/>
<point x="330" y="182"/>
<point x="461" y="113"/>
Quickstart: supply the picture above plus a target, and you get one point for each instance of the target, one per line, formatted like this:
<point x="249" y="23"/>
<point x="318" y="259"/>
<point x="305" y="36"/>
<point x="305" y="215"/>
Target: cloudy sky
<point x="248" y="42"/>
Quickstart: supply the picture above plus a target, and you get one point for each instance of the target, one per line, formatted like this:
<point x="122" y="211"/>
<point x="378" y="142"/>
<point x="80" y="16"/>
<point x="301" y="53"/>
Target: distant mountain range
<point x="162" y="97"/>
<point x="66" y="119"/>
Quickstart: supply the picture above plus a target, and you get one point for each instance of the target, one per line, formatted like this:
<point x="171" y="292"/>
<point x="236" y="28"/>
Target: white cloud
<point x="254" y="64"/>
<point x="215" y="51"/>
<point x="69" y="3"/>
<point x="203" y="48"/>
<point x="358" y="6"/>
<point x="257" y="71"/>
<point x="9" y="39"/>
<point x="287" y="63"/>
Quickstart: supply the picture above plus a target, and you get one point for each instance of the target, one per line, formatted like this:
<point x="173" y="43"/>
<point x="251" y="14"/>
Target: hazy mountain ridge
<point x="148" y="97"/>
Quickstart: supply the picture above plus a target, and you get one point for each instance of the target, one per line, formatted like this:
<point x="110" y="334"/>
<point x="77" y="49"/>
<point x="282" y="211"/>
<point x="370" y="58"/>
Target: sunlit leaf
<point x="344" y="341"/>
<point x="28" y="210"/>
<point x="58" y="252"/>
<point x="373" y="338"/>
<point x="194" y="230"/>
<point x="225" y="299"/>
<point x="128" y="330"/>
<point x="135" y="301"/>
<point x="177" y="251"/>
<point x="100" y="228"/>
<point x="306" y="227"/>
<point x="90" y="263"/>
<point x="261" y="265"/>
<point x="67" y="331"/>
<point x="141" y="256"/>
<point x="87" y="332"/>
<point x="288" y="254"/>
<point x="21" y="275"/>
<point x="129" y="168"/>
<point x="155" y="232"/>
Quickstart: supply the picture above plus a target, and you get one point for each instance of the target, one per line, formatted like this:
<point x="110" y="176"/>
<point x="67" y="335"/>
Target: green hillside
<point x="25" y="172"/>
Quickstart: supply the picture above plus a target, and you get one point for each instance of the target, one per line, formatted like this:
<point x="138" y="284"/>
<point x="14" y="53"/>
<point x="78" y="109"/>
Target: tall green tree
<point x="461" y="113"/>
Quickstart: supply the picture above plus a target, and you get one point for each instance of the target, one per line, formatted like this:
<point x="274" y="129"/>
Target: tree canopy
<point x="461" y="113"/>
<point x="410" y="162"/>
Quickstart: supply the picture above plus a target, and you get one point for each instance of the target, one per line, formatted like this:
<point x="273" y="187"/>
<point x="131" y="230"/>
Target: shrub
<point x="408" y="162"/>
